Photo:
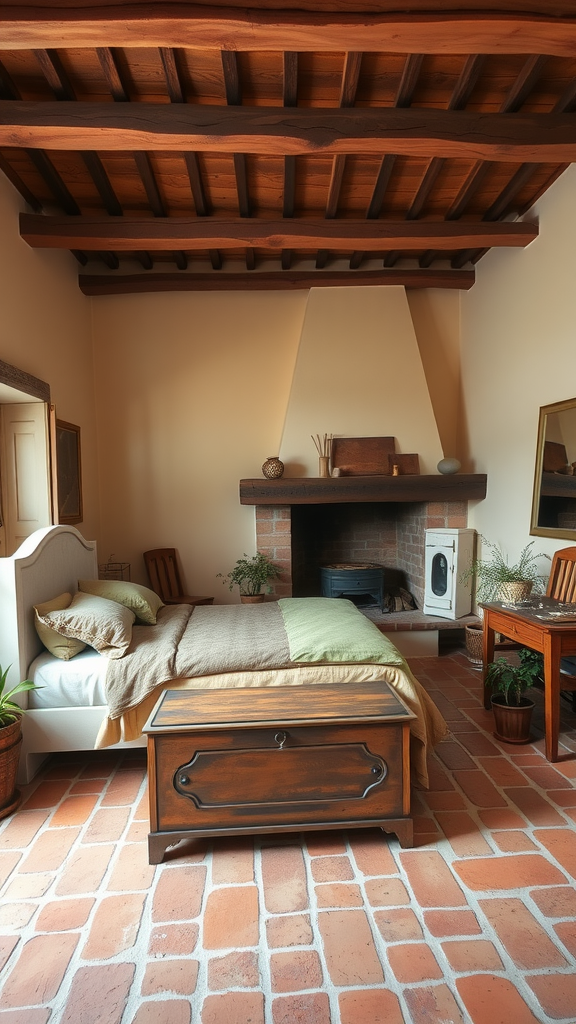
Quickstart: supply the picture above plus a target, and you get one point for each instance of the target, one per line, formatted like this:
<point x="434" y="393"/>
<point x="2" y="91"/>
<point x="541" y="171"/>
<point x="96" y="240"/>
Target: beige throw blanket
<point x="195" y="648"/>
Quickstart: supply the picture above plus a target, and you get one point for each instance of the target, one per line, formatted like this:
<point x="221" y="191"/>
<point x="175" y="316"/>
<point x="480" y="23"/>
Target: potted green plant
<point x="497" y="580"/>
<point x="250" y="575"/>
<point x="10" y="741"/>
<point x="508" y="683"/>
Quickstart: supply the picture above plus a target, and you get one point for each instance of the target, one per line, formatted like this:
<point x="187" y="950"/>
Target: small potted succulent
<point x="508" y="683"/>
<point x="10" y="741"/>
<point x="250" y="575"/>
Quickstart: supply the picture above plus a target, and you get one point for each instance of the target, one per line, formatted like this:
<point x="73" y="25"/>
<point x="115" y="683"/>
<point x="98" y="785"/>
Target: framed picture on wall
<point x="68" y="472"/>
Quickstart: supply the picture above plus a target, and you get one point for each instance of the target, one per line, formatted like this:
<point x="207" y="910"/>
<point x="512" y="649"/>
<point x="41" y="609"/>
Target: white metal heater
<point x="449" y="553"/>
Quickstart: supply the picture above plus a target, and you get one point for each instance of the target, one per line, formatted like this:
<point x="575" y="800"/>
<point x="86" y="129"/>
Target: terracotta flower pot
<point x="512" y="721"/>
<point x="252" y="598"/>
<point x="10" y="743"/>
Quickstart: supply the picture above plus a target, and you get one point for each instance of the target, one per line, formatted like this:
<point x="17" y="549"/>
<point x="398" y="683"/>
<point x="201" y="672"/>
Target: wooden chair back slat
<point x="562" y="582"/>
<point x="163" y="573"/>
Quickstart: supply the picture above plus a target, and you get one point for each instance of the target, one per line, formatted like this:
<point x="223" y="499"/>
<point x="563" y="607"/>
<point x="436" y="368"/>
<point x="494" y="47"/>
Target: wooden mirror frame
<point x="564" y="485"/>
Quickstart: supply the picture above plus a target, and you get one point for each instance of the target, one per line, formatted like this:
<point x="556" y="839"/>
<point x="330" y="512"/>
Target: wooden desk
<point x="553" y="639"/>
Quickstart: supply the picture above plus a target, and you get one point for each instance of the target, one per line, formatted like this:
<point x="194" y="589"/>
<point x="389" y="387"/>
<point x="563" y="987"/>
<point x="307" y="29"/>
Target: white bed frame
<point x="48" y="563"/>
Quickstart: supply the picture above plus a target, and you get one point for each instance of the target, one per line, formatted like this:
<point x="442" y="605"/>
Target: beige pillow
<point x="143" y="602"/>
<point x="63" y="647"/>
<point x="104" y="625"/>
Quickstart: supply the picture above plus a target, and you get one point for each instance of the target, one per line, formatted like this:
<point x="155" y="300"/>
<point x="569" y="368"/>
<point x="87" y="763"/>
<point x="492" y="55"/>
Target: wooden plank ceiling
<point x="184" y="145"/>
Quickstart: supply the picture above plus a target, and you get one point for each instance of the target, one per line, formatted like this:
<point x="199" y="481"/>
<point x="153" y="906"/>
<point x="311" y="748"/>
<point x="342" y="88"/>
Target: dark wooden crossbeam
<point x="348" y="88"/>
<point x="192" y="233"/>
<point x="462" y="91"/>
<point x="62" y="87"/>
<point x="20" y="185"/>
<point x="543" y="138"/>
<point x="172" y="74"/>
<point x="119" y="284"/>
<point x="27" y="24"/>
<point x="289" y="99"/>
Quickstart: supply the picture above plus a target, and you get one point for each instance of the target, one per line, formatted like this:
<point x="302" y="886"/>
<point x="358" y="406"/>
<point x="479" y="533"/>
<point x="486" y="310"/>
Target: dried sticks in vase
<point x="323" y="444"/>
<point x="324" y="448"/>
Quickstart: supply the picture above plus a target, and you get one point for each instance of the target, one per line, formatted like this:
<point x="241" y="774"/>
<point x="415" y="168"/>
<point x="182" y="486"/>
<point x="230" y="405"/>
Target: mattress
<point x="78" y="683"/>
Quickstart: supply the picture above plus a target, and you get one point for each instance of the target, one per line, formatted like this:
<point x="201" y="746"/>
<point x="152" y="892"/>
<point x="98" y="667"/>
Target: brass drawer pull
<point x="281" y="738"/>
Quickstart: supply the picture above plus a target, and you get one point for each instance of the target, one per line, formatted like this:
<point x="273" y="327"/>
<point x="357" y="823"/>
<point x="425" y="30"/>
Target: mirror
<point x="554" y="499"/>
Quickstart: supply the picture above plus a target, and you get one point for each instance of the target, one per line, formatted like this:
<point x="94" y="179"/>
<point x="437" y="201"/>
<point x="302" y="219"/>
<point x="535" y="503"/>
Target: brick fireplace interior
<point x="303" y="537"/>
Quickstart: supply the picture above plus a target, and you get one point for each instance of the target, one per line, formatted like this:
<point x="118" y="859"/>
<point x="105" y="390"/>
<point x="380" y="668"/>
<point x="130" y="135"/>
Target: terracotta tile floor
<point x="475" y="925"/>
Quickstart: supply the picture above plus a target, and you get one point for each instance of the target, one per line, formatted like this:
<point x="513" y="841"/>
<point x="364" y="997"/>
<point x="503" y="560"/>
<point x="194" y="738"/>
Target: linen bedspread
<point x="292" y="642"/>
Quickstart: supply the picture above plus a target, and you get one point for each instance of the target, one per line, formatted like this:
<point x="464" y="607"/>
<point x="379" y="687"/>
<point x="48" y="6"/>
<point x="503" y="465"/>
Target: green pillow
<point x="63" y="647"/>
<point x="143" y="602"/>
<point x="331" y="629"/>
<point x="102" y="624"/>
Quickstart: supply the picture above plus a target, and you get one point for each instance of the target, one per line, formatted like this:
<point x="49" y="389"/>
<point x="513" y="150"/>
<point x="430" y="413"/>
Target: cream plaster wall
<point x="45" y="329"/>
<point x="192" y="391"/>
<point x="359" y="373"/>
<point x="436" y="318"/>
<point x="518" y="353"/>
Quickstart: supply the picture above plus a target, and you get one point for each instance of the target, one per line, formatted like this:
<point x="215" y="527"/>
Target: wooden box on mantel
<point x="362" y="456"/>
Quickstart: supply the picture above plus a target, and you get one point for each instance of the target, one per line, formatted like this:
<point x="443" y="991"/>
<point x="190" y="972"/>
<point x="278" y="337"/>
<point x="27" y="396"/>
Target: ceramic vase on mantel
<point x="324" y="466"/>
<point x="273" y="468"/>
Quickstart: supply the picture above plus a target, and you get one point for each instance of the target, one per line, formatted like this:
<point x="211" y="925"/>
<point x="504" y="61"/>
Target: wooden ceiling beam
<point x="279" y="280"/>
<point x="27" y="25"/>
<point x="274" y="131"/>
<point x="112" y="74"/>
<point x="460" y="96"/>
<point x="58" y="80"/>
<point x="172" y="75"/>
<point x="196" y="234"/>
<point x="348" y="89"/>
<point x="20" y="186"/>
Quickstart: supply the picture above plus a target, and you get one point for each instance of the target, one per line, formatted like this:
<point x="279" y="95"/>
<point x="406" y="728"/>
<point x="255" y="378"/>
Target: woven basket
<point x="10" y="743"/>
<point x="474" y="640"/>
<point x="512" y="593"/>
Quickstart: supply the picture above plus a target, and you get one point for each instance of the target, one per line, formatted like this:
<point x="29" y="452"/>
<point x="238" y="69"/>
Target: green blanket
<point x="332" y="629"/>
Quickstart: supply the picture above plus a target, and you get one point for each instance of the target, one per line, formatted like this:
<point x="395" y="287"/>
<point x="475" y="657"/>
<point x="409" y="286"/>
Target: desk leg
<point x="487" y="656"/>
<point x="551" y="694"/>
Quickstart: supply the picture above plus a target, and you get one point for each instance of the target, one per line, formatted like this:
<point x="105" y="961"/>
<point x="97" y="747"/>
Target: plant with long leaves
<point x="10" y="711"/>
<point x="490" y="572"/>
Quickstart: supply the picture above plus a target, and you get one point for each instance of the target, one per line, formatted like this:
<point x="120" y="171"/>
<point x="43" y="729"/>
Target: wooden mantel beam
<point x="282" y="131"/>
<point x="272" y="280"/>
<point x="41" y="23"/>
<point x="201" y="233"/>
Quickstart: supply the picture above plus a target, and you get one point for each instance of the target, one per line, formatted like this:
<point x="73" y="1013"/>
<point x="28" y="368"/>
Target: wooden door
<point x="25" y="461"/>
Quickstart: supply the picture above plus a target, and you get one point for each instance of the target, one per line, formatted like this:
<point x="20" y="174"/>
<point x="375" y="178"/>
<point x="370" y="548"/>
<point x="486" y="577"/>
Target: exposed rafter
<point x="115" y="284"/>
<point x="282" y="131"/>
<point x="214" y="233"/>
<point x="27" y="25"/>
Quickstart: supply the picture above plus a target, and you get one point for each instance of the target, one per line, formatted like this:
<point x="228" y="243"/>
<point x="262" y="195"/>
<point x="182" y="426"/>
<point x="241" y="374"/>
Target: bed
<point x="52" y="561"/>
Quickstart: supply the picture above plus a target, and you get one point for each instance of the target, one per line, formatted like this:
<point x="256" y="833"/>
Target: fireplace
<point x="301" y="538"/>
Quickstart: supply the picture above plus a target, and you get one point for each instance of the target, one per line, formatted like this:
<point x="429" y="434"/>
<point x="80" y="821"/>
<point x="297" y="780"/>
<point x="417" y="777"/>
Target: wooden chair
<point x="162" y="569"/>
<point x="562" y="586"/>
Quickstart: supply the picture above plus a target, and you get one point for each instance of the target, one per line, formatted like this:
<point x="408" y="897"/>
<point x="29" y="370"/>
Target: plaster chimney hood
<point x="358" y="373"/>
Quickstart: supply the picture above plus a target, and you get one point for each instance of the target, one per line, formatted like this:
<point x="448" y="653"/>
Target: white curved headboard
<point x="48" y="563"/>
